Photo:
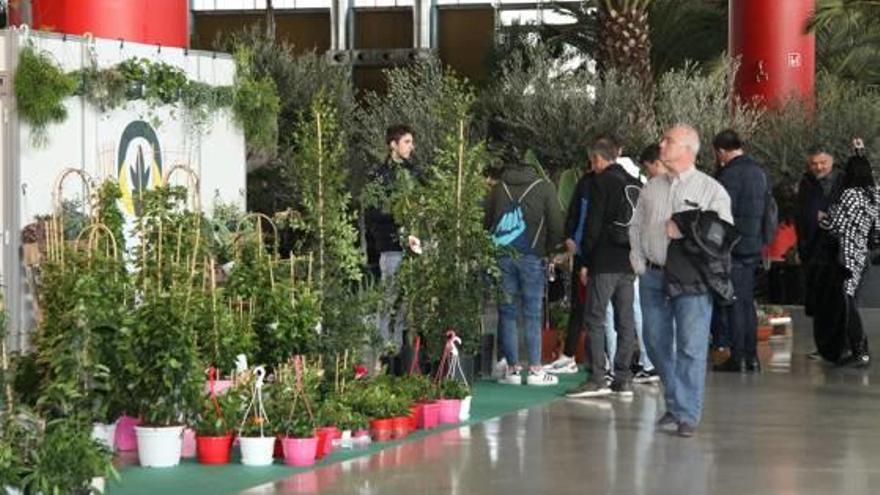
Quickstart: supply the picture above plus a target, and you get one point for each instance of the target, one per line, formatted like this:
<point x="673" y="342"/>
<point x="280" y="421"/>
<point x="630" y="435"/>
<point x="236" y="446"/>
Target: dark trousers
<point x="736" y="325"/>
<point x="826" y="303"/>
<point x="576" y="319"/>
<point x="618" y="289"/>
<point x="855" y="333"/>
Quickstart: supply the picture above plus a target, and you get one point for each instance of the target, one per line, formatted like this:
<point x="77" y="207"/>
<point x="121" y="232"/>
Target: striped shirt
<point x="663" y="196"/>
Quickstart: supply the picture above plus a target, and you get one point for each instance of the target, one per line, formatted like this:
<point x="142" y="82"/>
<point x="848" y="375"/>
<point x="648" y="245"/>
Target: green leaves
<point x="40" y="89"/>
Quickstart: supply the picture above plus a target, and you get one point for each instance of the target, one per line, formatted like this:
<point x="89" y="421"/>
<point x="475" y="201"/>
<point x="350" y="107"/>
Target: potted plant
<point x="166" y="378"/>
<point x="298" y="440"/>
<point x="765" y="329"/>
<point x="452" y="392"/>
<point x="332" y="413"/>
<point x="214" y="428"/>
<point x="256" y="435"/>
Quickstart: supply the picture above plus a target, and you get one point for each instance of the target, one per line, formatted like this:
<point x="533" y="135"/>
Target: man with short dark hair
<point x="607" y="272"/>
<point x="383" y="233"/>
<point x="649" y="159"/>
<point x="748" y="187"/>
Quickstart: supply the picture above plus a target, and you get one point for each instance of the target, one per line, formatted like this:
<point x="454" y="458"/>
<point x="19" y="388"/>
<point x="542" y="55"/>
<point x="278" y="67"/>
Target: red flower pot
<point x="278" y="451"/>
<point x="400" y="427"/>
<point x="380" y="430"/>
<point x="213" y="450"/>
<point x="326" y="436"/>
<point x="415" y="411"/>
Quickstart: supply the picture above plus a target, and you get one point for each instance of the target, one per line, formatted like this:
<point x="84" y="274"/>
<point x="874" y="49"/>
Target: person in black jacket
<point x="383" y="234"/>
<point x="575" y="222"/>
<point x="818" y="251"/>
<point x="748" y="187"/>
<point x="607" y="272"/>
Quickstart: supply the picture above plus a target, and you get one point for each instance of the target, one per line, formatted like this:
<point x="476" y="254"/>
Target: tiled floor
<point x="801" y="427"/>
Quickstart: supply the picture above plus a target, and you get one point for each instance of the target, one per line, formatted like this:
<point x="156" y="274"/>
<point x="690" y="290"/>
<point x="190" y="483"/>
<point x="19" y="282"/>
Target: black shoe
<point x="667" y="419"/>
<point x="686" y="430"/>
<point x="752" y="365"/>
<point x="622" y="389"/>
<point x="862" y="360"/>
<point x="731" y="365"/>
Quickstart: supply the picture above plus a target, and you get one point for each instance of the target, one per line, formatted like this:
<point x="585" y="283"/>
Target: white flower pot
<point x="465" y="412"/>
<point x="159" y="447"/>
<point x="99" y="484"/>
<point x="257" y="451"/>
<point x="105" y="434"/>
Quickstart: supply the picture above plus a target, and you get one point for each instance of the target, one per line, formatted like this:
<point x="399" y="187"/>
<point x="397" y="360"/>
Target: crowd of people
<point x="663" y="258"/>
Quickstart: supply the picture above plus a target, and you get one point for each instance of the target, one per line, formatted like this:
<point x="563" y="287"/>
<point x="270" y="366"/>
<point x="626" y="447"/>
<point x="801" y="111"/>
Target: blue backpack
<point x="510" y="230"/>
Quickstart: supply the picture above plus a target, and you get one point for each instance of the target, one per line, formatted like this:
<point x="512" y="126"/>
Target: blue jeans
<point x="676" y="334"/>
<point x="522" y="286"/>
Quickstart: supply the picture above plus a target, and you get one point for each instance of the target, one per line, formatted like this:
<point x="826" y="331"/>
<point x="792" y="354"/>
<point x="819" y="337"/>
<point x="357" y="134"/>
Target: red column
<point x="155" y="22"/>
<point x="778" y="58"/>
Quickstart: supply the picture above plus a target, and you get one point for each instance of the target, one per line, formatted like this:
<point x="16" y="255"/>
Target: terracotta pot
<point x="764" y="333"/>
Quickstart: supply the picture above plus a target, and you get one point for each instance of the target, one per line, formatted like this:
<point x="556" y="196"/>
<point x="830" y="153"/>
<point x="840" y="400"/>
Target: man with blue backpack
<point x="525" y="220"/>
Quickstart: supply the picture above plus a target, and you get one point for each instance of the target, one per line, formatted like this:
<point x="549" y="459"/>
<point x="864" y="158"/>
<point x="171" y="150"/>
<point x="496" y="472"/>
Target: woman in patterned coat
<point x="853" y="219"/>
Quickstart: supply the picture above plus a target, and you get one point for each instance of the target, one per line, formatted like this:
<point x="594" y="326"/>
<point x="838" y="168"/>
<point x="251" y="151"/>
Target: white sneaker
<point x="569" y="369"/>
<point x="500" y="369"/>
<point x="541" y="379"/>
<point x="514" y="377"/>
<point x="562" y="361"/>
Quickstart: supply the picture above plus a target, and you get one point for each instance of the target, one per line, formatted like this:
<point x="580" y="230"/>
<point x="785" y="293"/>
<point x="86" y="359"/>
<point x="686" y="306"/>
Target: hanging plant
<point x="40" y="89"/>
<point x="256" y="104"/>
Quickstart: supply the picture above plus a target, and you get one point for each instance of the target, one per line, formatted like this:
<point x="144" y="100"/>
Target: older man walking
<point x="676" y="329"/>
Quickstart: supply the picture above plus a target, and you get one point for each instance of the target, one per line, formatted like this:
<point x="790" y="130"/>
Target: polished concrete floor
<point x="801" y="427"/>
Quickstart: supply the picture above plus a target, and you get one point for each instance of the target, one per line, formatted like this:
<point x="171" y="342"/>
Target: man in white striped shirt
<point x="676" y="330"/>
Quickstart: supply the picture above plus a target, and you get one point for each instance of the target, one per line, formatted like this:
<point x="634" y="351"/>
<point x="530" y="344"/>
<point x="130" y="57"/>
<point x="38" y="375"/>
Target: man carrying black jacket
<point x="608" y="273"/>
<point x="748" y="187"/>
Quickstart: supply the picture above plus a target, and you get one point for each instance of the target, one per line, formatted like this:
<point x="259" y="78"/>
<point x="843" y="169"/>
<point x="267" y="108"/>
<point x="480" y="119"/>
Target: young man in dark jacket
<point x="383" y="234"/>
<point x="525" y="219"/>
<point x="748" y="187"/>
<point x="608" y="273"/>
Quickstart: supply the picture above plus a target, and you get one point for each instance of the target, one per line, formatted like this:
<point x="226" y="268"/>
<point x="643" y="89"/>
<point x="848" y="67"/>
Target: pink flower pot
<point x="300" y="452"/>
<point x="126" y="440"/>
<point x="449" y="411"/>
<point x="430" y="415"/>
<point x="188" y="450"/>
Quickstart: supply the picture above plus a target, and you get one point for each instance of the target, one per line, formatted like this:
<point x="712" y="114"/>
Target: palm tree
<point x="644" y="37"/>
<point x="625" y="38"/>
<point x="848" y="38"/>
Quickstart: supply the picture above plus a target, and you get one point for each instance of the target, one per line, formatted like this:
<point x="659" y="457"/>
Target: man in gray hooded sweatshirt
<point x="525" y="219"/>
